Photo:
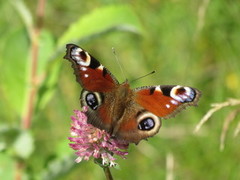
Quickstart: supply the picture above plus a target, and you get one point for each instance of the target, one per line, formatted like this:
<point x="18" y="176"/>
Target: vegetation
<point x="192" y="43"/>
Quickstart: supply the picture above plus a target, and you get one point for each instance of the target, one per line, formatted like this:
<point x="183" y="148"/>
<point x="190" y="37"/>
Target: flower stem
<point x="31" y="95"/>
<point x="107" y="173"/>
<point x="19" y="170"/>
<point x="36" y="31"/>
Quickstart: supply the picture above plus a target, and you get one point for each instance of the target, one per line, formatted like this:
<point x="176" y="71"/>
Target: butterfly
<point x="126" y="114"/>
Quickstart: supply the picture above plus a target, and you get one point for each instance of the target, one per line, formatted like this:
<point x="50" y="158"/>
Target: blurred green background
<point x="192" y="43"/>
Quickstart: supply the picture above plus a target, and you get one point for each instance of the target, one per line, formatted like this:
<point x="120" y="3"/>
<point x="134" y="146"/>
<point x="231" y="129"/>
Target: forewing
<point x="166" y="100"/>
<point x="92" y="75"/>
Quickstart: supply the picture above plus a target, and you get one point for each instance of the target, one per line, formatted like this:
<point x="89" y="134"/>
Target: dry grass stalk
<point x="229" y="118"/>
<point x="201" y="15"/>
<point x="170" y="166"/>
<point x="216" y="107"/>
<point x="237" y="130"/>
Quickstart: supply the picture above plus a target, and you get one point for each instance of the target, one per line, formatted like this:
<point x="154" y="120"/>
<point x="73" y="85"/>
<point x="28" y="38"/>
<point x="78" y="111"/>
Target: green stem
<point x="105" y="168"/>
<point x="27" y="116"/>
<point x="107" y="173"/>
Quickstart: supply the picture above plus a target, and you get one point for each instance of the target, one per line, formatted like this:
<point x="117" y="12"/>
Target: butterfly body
<point x="127" y="114"/>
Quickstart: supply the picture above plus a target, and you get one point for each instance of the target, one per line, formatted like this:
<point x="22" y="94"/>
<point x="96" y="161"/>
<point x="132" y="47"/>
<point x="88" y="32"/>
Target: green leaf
<point x="24" y="13"/>
<point x="47" y="68"/>
<point x="14" y="63"/>
<point x="101" y="20"/>
<point x="7" y="136"/>
<point x="47" y="88"/>
<point x="24" y="145"/>
<point x="46" y="47"/>
<point x="58" y="167"/>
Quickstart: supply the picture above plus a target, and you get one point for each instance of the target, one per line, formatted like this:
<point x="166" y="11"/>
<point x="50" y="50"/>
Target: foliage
<point x="194" y="43"/>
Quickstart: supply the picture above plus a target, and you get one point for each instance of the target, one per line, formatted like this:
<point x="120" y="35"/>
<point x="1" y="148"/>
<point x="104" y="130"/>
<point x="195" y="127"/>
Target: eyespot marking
<point x="81" y="57"/>
<point x="182" y="94"/>
<point x="91" y="99"/>
<point x="147" y="121"/>
<point x="146" y="124"/>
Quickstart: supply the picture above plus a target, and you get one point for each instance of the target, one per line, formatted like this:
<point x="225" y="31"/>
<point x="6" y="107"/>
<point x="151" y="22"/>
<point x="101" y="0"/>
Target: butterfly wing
<point x="131" y="115"/>
<point x="166" y="100"/>
<point x="136" y="124"/>
<point x="89" y="72"/>
<point x="97" y="82"/>
<point x="141" y="121"/>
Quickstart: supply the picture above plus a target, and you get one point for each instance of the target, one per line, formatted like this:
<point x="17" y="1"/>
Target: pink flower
<point x="90" y="141"/>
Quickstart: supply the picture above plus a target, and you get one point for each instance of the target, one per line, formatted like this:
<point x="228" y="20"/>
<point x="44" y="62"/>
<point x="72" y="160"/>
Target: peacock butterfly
<point x="127" y="114"/>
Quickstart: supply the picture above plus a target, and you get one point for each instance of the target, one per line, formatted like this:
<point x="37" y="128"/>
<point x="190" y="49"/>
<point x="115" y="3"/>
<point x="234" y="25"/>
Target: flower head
<point x="90" y="141"/>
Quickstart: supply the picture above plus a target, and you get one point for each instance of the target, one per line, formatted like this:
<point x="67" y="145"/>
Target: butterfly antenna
<point x="119" y="64"/>
<point x="144" y="76"/>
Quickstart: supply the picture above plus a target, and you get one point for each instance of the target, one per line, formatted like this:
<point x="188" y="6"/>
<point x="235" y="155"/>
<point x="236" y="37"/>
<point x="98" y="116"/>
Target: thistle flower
<point x="90" y="141"/>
